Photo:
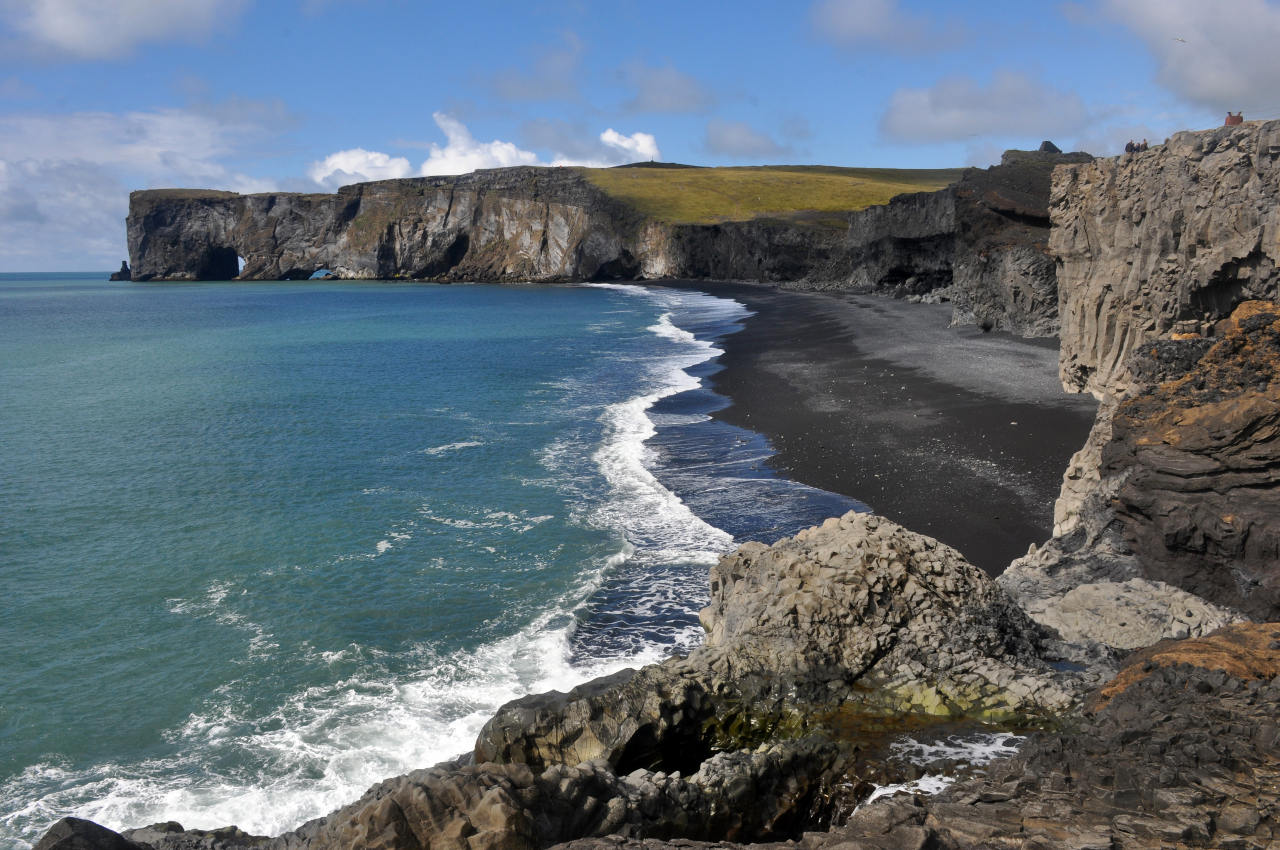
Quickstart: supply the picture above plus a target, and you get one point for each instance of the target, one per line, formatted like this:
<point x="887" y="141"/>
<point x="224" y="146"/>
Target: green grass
<point x="710" y="195"/>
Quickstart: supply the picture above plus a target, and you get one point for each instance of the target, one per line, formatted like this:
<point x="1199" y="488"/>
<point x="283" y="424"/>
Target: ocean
<point x="263" y="545"/>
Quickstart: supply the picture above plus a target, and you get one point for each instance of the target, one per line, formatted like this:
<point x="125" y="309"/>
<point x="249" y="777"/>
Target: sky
<point x="101" y="97"/>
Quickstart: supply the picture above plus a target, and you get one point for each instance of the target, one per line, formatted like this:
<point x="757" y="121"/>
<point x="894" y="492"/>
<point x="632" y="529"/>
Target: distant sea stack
<point x="981" y="242"/>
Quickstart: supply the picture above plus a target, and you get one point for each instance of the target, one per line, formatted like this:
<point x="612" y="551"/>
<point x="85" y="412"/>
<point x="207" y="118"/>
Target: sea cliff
<point x="1166" y="531"/>
<point x="980" y="242"/>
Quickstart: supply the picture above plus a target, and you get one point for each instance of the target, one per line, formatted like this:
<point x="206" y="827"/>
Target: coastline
<point x="955" y="433"/>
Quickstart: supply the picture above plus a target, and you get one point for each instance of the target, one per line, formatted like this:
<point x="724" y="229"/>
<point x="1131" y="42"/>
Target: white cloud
<point x="357" y="165"/>
<point x="104" y="29"/>
<point x="1219" y="55"/>
<point x="740" y="140"/>
<point x="960" y="108"/>
<point x="881" y="24"/>
<point x="463" y="153"/>
<point x="633" y="148"/>
<point x="665" y="89"/>
<point x="573" y="144"/>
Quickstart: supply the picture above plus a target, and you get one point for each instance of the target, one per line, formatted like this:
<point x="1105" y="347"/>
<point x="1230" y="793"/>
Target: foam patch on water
<point x="923" y="785"/>
<point x="451" y="447"/>
<point x="975" y="749"/>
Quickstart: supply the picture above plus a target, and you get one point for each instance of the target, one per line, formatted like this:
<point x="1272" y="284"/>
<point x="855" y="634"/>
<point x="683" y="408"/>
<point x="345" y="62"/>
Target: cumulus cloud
<point x="574" y="144"/>
<point x="357" y="165"/>
<point x="463" y="153"/>
<point x="554" y="75"/>
<point x="881" y="24"/>
<point x="740" y="140"/>
<point x="637" y="146"/>
<point x="665" y="89"/>
<point x="1218" y="55"/>
<point x="65" y="179"/>
<point x="104" y="29"/>
<point x="960" y="108"/>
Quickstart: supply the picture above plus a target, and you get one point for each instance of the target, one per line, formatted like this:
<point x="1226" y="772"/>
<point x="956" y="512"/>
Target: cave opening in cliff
<point x="321" y="274"/>
<point x="219" y="264"/>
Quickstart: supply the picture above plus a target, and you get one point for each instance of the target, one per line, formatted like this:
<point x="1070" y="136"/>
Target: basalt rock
<point x="1169" y="525"/>
<point x="981" y="242"/>
<point x="123" y="274"/>
<point x="1180" y="233"/>
<point x="857" y="612"/>
<point x="1181" y="749"/>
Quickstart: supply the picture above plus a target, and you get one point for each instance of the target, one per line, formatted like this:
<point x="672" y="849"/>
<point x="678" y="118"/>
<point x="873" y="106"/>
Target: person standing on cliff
<point x="1130" y="147"/>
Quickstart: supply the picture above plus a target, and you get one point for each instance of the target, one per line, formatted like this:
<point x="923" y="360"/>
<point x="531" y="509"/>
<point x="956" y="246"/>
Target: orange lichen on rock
<point x="1245" y="651"/>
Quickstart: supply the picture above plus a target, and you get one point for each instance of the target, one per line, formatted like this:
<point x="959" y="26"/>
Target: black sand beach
<point x="954" y="433"/>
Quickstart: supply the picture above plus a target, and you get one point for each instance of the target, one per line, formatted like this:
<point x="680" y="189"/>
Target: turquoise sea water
<point x="263" y="545"/>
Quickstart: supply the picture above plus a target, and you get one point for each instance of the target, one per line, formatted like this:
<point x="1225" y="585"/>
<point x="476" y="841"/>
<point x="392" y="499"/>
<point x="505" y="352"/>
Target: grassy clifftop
<point x="708" y="195"/>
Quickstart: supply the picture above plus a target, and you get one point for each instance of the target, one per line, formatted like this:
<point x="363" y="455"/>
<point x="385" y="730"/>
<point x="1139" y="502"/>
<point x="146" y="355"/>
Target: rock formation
<point x="1172" y="521"/>
<point x="123" y="273"/>
<point x="980" y="243"/>
<point x="1180" y="233"/>
<point x="1182" y="749"/>
<point x="983" y="244"/>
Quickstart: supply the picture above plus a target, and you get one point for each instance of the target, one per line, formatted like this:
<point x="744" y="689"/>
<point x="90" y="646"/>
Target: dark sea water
<point x="263" y="545"/>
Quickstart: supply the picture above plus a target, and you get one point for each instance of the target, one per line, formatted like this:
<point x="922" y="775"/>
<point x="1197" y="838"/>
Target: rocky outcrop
<point x="855" y="614"/>
<point x="507" y="224"/>
<point x="123" y="274"/>
<point x="1183" y="749"/>
<point x="980" y="243"/>
<point x="1180" y="233"/>
<point x="1171" y="525"/>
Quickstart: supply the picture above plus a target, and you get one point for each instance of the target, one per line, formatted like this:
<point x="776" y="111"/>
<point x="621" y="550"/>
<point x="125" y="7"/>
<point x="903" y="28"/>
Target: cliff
<point x="1165" y="240"/>
<point x="1168" y="524"/>
<point x="980" y="242"/>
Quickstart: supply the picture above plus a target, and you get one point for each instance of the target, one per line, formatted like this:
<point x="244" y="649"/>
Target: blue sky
<point x="99" y="97"/>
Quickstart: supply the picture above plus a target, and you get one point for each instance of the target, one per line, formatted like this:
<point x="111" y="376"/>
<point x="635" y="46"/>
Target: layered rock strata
<point x="1171" y="525"/>
<point x="981" y="242"/>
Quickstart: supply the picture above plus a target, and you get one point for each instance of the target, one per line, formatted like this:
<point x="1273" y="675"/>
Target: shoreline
<point x="954" y="433"/>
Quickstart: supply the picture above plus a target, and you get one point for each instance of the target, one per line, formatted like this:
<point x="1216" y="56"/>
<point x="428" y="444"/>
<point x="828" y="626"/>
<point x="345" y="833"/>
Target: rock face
<point x="1183" y="749"/>
<point x="980" y="243"/>
<point x="1171" y="526"/>
<point x="1179" y="233"/>
<point x="1167" y="525"/>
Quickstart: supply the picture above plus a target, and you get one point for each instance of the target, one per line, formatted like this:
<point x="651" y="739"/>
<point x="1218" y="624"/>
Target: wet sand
<point x="954" y="433"/>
